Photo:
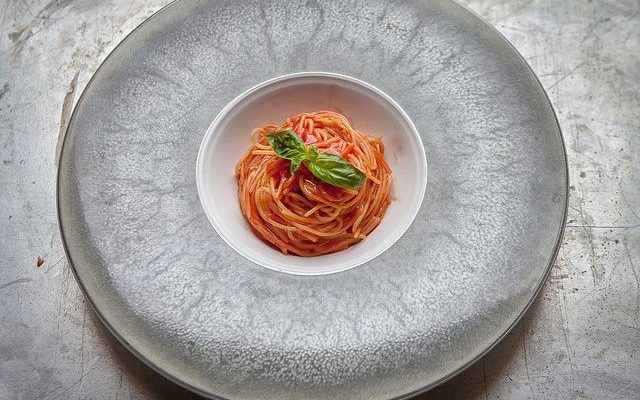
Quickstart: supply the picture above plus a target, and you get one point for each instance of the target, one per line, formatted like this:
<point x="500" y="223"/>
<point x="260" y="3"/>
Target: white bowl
<point x="369" y="109"/>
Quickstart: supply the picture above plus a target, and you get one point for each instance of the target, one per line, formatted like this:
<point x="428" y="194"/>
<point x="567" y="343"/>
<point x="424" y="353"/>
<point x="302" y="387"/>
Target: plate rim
<point x="452" y="374"/>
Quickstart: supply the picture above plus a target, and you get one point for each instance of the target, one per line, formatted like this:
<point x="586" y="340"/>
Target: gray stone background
<point x="581" y="338"/>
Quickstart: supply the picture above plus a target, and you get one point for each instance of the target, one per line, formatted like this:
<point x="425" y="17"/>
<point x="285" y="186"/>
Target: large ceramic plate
<point x="185" y="302"/>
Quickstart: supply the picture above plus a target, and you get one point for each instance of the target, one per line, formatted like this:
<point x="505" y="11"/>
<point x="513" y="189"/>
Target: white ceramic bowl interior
<point x="369" y="109"/>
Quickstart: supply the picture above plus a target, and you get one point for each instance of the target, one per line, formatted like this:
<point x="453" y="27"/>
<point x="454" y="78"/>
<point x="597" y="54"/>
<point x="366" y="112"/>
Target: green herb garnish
<point x="327" y="167"/>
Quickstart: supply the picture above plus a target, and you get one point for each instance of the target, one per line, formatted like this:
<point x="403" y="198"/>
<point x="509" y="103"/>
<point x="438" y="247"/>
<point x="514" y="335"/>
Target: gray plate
<point x="180" y="298"/>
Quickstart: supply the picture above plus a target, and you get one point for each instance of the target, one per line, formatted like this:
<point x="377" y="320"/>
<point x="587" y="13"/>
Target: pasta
<point x="300" y="214"/>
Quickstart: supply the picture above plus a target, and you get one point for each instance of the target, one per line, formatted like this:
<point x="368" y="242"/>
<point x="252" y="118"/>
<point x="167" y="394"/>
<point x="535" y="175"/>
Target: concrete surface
<point x="580" y="340"/>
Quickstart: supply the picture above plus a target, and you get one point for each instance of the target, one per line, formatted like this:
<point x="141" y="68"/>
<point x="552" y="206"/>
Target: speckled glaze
<point x="171" y="289"/>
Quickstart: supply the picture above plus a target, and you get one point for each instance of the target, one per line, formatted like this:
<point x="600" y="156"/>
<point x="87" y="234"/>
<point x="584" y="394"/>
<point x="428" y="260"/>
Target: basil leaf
<point x="287" y="145"/>
<point x="295" y="163"/>
<point x="327" y="167"/>
<point x="334" y="169"/>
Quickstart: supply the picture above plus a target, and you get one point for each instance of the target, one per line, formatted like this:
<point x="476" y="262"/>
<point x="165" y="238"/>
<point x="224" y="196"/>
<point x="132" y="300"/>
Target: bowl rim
<point x="208" y="138"/>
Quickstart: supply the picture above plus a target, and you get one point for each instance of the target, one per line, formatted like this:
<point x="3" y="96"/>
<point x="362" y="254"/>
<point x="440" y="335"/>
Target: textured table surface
<point x="581" y="338"/>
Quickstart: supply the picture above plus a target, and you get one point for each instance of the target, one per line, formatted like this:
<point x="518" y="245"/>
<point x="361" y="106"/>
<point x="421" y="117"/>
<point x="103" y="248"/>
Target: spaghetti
<point x="299" y="214"/>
